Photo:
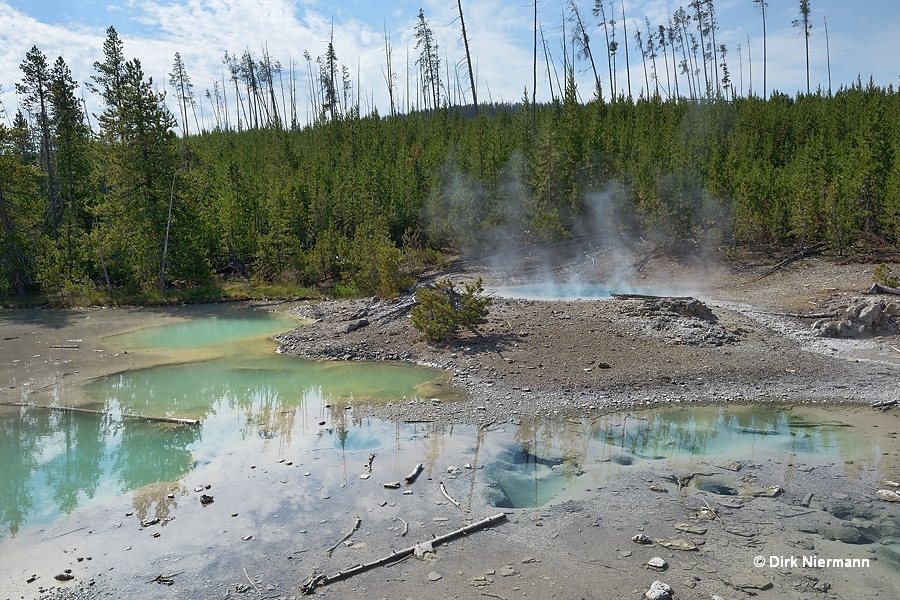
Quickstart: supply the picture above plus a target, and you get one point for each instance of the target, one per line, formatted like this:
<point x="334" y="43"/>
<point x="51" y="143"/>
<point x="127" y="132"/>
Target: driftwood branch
<point x="411" y="478"/>
<point x="405" y="527"/>
<point x="89" y="411"/>
<point x="448" y="497"/>
<point x="322" y="580"/>
<point x="814" y="249"/>
<point x="258" y="593"/>
<point x="353" y="529"/>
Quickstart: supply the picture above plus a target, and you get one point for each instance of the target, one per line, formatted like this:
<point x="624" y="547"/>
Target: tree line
<point x="122" y="206"/>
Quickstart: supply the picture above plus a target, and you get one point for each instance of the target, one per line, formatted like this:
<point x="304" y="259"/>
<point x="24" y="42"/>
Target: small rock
<point x="659" y="591"/>
<point x="641" y="539"/>
<point x="507" y="571"/>
<point x="206" y="499"/>
<point x="433" y="576"/>
<point x="392" y="485"/>
<point x="677" y="544"/>
<point x="65" y="576"/>
<point x="888" y="495"/>
<point x="688" y="528"/>
<point x="657" y="563"/>
<point x="751" y="581"/>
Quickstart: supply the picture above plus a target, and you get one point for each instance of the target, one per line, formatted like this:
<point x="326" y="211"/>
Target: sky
<point x="861" y="42"/>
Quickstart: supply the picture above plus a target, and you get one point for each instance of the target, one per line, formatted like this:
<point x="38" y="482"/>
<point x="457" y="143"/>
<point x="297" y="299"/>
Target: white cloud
<point x="500" y="34"/>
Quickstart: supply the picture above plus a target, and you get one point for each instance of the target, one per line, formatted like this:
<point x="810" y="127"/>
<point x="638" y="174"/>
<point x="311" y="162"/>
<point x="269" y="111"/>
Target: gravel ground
<point x="733" y="342"/>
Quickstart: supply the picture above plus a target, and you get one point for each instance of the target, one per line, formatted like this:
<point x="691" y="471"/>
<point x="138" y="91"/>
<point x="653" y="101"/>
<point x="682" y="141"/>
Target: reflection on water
<point x="52" y="462"/>
<point x="736" y="432"/>
<point x="547" y="457"/>
<point x="255" y="402"/>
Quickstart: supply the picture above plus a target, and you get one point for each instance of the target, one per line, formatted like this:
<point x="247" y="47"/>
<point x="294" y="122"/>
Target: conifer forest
<point x="140" y="200"/>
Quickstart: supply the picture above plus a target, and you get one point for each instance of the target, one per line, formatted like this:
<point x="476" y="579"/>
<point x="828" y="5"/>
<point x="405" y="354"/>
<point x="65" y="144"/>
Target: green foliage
<point x="361" y="204"/>
<point x="884" y="275"/>
<point x="439" y="313"/>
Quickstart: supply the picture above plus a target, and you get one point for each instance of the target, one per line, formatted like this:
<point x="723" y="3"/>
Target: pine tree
<point x="74" y="161"/>
<point x="35" y="92"/>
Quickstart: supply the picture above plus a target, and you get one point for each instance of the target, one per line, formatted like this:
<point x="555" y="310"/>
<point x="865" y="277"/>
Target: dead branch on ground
<point x="811" y="250"/>
<point x="346" y="537"/>
<point x="448" y="497"/>
<point x="877" y="288"/>
<point x="321" y="580"/>
<point x="258" y="593"/>
<point x="884" y="404"/>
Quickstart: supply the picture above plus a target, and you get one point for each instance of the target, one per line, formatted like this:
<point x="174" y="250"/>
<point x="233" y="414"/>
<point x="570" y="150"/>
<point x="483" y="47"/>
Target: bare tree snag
<point x="465" y="38"/>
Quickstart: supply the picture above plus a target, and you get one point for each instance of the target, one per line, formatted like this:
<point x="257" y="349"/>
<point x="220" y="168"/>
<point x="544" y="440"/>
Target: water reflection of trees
<point x="69" y="455"/>
<point x="152" y="452"/>
<point x="17" y="488"/>
<point x="76" y="469"/>
<point x="714" y="431"/>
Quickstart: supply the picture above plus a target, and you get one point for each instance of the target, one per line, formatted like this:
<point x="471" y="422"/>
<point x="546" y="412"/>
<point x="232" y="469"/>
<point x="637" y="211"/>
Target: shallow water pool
<point x="224" y="373"/>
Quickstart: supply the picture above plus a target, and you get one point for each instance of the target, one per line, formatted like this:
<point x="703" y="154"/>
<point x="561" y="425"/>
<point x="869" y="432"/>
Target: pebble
<point x="641" y="539"/>
<point x="659" y="591"/>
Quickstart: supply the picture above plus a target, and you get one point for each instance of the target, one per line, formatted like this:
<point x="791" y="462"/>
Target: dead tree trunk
<point x="465" y="38"/>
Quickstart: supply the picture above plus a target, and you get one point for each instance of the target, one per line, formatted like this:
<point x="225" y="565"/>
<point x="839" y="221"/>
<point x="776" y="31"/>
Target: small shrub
<point x="885" y="276"/>
<point x="441" y="312"/>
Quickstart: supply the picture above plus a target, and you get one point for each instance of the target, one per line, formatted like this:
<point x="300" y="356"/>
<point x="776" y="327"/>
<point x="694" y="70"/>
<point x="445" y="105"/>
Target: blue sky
<point x="863" y="39"/>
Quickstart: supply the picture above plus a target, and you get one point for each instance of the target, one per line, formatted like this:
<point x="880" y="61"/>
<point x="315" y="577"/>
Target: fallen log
<point x="884" y="404"/>
<point x="322" y="580"/>
<point x="648" y="297"/>
<point x="883" y="289"/>
<point x="814" y="249"/>
<point x="88" y="411"/>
